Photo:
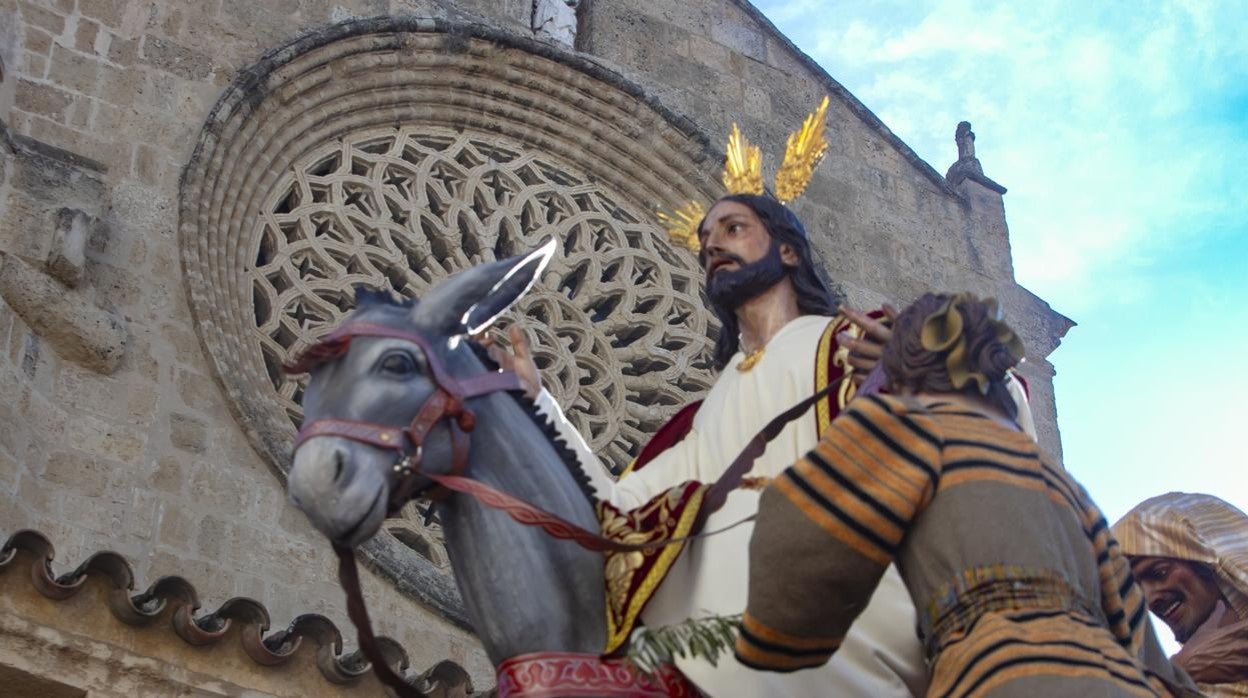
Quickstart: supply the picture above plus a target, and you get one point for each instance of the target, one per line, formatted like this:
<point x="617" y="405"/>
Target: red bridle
<point x="446" y="402"/>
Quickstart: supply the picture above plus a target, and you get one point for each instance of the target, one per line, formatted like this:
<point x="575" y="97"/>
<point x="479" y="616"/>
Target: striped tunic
<point x="1204" y="529"/>
<point x="1020" y="588"/>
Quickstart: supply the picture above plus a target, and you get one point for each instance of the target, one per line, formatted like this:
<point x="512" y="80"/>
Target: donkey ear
<point x="471" y="300"/>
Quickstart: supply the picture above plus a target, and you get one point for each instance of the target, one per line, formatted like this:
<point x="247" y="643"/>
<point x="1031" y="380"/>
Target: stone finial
<point x="967" y="166"/>
<point x="965" y="138"/>
<point x="556" y="20"/>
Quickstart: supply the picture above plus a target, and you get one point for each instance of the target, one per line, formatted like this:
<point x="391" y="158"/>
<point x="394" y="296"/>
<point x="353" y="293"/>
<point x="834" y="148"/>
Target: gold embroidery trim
<point x="751" y="359"/>
<point x="619" y="582"/>
<point x="823" y="413"/>
<point x="845" y="391"/>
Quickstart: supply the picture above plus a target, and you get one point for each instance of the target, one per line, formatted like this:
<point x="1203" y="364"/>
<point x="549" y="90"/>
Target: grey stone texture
<point x="102" y="102"/>
<point x="68" y="258"/>
<point x="886" y="225"/>
<point x="78" y="330"/>
<point x="555" y="20"/>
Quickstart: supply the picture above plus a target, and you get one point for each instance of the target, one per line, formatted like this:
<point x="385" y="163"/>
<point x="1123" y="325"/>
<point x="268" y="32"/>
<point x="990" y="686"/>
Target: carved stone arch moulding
<point x="393" y="152"/>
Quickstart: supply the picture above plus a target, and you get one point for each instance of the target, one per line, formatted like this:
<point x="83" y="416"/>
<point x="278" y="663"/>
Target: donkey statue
<point x="397" y="394"/>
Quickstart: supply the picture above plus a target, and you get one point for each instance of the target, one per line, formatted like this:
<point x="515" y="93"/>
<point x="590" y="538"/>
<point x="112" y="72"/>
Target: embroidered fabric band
<point x="958" y="605"/>
<point x="554" y="674"/>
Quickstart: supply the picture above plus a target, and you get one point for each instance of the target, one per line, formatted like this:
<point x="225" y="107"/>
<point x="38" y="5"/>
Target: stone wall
<point x="102" y="103"/>
<point x="148" y="460"/>
<point x="887" y="226"/>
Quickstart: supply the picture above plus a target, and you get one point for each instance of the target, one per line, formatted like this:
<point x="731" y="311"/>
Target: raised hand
<point x="865" y="351"/>
<point x="519" y="359"/>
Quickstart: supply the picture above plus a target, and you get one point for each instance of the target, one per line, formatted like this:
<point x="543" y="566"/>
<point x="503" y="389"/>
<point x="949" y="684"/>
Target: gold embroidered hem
<point x="632" y="577"/>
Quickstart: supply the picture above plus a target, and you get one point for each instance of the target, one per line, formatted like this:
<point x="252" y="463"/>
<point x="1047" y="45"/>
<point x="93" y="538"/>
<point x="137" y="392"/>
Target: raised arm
<point x="670" y="468"/>
<point x="829" y="526"/>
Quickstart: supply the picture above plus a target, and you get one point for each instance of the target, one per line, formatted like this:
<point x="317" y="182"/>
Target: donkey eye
<point x="398" y="363"/>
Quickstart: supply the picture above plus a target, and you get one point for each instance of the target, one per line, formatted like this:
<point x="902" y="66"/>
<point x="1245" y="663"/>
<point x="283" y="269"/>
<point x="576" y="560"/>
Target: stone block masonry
<point x="139" y="450"/>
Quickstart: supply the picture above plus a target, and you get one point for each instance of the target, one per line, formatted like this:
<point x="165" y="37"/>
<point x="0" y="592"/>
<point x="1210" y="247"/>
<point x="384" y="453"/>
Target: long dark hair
<point x="813" y="297"/>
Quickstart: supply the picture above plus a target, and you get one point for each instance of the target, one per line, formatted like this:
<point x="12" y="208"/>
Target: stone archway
<point x="393" y="152"/>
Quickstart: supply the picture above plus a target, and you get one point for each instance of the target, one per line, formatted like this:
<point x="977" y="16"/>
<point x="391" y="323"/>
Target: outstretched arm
<point x="633" y="491"/>
<point x="865" y="351"/>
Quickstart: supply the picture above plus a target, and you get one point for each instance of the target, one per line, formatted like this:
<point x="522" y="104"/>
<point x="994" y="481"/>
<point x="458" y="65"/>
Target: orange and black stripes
<point x="853" y="502"/>
<point x="974" y="453"/>
<point x="1065" y="647"/>
<point x="872" y="471"/>
<point x="761" y="647"/>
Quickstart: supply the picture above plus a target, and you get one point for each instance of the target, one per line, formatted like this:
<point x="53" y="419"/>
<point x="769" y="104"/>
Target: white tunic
<point x="881" y="656"/>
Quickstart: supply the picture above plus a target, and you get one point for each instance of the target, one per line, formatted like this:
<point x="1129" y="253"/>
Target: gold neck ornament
<point x="751" y="359"/>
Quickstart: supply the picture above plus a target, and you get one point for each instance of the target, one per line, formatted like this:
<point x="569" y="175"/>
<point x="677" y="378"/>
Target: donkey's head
<point x="385" y="393"/>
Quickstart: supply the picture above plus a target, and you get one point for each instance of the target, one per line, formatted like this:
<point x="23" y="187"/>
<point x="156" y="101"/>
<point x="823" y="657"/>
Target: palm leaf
<point x="700" y="638"/>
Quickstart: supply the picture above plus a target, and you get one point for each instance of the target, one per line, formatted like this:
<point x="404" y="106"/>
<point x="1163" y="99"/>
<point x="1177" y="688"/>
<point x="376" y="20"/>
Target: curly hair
<point x="909" y="365"/>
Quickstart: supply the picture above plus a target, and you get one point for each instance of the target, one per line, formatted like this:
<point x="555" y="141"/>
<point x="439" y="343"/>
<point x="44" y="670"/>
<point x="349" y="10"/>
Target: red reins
<point x="446" y="402"/>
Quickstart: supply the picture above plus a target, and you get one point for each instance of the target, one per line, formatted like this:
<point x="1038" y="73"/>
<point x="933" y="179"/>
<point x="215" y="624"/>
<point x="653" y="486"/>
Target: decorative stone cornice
<point x="176" y="599"/>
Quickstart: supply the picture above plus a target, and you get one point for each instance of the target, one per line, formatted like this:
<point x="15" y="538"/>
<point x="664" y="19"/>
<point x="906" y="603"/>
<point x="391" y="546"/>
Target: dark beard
<point x="730" y="289"/>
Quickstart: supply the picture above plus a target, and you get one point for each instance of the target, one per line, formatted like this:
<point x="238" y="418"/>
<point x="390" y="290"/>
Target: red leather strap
<point x="731" y="478"/>
<point x="558" y="527"/>
<point x="560" y="674"/>
<point x="372" y="329"/>
<point x="357" y="611"/>
<point x="485" y="383"/>
<point x="427" y="416"/>
<point x="389" y="438"/>
<point x="459" y="464"/>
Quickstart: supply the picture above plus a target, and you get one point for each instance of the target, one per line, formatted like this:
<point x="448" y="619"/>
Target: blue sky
<point x="1122" y="135"/>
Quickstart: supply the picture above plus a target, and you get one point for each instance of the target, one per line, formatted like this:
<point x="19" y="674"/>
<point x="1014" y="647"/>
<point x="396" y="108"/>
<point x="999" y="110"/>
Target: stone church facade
<point x="190" y="190"/>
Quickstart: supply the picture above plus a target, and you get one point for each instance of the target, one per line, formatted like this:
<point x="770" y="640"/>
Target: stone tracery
<point x="393" y="152"/>
<point x="404" y="208"/>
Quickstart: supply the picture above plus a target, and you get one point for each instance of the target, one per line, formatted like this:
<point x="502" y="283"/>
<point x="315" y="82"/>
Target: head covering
<point x="1196" y="527"/>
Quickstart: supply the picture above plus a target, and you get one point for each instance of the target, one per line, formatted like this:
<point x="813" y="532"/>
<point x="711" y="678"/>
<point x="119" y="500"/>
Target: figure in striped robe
<point x="1189" y="552"/>
<point x="1020" y="589"/>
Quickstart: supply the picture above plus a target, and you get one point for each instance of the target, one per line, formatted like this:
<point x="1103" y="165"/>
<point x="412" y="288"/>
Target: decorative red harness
<point x="446" y="402"/>
<point x="558" y="674"/>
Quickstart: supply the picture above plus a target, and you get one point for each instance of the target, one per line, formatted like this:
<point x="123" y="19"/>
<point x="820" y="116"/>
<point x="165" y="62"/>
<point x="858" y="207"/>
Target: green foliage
<point x="704" y="638"/>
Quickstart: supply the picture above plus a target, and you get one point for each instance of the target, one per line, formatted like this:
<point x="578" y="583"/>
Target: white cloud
<point x="1081" y="112"/>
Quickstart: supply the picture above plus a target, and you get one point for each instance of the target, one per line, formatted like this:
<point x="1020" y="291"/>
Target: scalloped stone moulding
<point x="393" y="152"/>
